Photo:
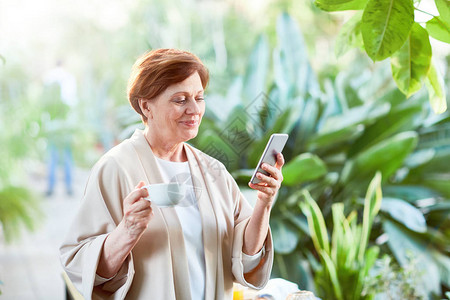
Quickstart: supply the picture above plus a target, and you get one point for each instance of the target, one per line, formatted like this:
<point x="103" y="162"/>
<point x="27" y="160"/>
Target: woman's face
<point x="176" y="113"/>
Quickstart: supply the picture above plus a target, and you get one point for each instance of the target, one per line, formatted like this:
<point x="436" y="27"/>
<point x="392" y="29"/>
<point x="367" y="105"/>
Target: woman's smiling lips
<point x="190" y="123"/>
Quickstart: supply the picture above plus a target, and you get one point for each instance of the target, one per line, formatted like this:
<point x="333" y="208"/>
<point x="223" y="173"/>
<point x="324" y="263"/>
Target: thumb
<point x="140" y="184"/>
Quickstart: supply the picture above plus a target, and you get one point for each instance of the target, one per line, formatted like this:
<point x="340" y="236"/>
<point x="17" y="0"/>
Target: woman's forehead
<point x="191" y="85"/>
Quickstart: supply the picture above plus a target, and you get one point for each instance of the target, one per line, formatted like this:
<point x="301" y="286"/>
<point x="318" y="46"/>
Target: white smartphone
<point x="274" y="146"/>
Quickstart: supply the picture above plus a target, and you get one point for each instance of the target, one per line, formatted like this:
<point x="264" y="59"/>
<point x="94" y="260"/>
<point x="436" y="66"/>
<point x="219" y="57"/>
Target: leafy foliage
<point x="345" y="264"/>
<point x="391" y="281"/>
<point x="19" y="209"/>
<point x="411" y="62"/>
<point x="387" y="29"/>
<point x="19" y="128"/>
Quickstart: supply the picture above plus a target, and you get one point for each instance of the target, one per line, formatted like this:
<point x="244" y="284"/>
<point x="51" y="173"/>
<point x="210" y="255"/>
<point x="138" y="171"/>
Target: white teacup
<point x="165" y="194"/>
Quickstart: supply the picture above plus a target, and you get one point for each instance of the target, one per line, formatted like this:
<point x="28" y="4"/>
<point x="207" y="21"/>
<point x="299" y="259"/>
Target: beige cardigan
<point x="157" y="266"/>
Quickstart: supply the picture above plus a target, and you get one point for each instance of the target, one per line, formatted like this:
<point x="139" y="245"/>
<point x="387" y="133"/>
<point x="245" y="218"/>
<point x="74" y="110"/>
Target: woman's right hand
<point x="137" y="212"/>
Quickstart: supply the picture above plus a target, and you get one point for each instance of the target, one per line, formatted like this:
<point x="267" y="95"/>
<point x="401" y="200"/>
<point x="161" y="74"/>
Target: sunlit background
<point x="97" y="42"/>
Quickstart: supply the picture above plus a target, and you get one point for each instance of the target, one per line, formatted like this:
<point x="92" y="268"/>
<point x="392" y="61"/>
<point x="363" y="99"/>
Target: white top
<point x="190" y="220"/>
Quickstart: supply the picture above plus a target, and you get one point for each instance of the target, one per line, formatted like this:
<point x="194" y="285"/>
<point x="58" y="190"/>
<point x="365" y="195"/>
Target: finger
<point x="132" y="215"/>
<point x="274" y="172"/>
<point x="142" y="214"/>
<point x="136" y="195"/>
<point x="139" y="205"/>
<point x="270" y="181"/>
<point x="280" y="161"/>
<point x="264" y="189"/>
<point x="140" y="184"/>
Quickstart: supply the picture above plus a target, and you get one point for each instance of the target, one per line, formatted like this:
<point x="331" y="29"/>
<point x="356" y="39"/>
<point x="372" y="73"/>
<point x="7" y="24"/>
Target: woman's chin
<point x="190" y="134"/>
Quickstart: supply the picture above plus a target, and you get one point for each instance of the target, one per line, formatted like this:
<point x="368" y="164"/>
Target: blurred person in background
<point x="60" y="98"/>
<point x="121" y="245"/>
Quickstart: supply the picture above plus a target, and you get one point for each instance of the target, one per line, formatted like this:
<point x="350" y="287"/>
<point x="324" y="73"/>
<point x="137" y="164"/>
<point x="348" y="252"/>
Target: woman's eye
<point x="199" y="99"/>
<point x="180" y="101"/>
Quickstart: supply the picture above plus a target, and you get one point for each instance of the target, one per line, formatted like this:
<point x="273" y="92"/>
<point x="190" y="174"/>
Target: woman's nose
<point x="193" y="107"/>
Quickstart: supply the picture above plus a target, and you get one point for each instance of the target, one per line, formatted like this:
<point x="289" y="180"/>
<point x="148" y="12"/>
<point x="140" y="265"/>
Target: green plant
<point x="390" y="281"/>
<point x="18" y="208"/>
<point x="344" y="264"/>
<point x="386" y="28"/>
<point x="19" y="127"/>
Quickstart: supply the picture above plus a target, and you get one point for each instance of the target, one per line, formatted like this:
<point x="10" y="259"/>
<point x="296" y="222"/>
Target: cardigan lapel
<point x="179" y="263"/>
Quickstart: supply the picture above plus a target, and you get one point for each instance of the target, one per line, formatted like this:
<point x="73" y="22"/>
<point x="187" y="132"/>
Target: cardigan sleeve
<point x="259" y="276"/>
<point x="98" y="215"/>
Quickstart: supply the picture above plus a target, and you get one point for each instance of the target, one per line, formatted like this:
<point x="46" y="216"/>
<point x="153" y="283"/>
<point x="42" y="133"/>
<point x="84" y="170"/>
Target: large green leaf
<point x="363" y="114"/>
<point x="438" y="182"/>
<point x="420" y="157"/>
<point x="338" y="5"/>
<point x="255" y="76"/>
<point x="349" y="36"/>
<point x="316" y="223"/>
<point x="436" y="92"/>
<point x="411" y="63"/>
<point x="395" y="97"/>
<point x="403" y="243"/>
<point x="438" y="29"/>
<point x="285" y="237"/>
<point x="396" y="121"/>
<point x="372" y="204"/>
<point x="347" y="126"/>
<point x="386" y="156"/>
<point x="443" y="7"/>
<point x="332" y="273"/>
<point x="410" y="193"/>
<point x="303" y="167"/>
<point x="437" y="137"/>
<point x="385" y="26"/>
<point x="298" y="220"/>
<point x="306" y="124"/>
<point x="293" y="72"/>
<point x="443" y="263"/>
<point x="330" y="139"/>
<point x="404" y="213"/>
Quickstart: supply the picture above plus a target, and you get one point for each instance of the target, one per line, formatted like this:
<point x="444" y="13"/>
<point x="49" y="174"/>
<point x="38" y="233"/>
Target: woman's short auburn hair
<point x="156" y="70"/>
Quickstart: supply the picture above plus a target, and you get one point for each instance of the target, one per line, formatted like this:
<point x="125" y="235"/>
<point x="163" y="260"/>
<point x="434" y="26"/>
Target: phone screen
<point x="274" y="146"/>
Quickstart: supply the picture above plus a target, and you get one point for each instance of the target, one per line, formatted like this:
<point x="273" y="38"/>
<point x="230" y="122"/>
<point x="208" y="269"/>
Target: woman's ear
<point x="144" y="104"/>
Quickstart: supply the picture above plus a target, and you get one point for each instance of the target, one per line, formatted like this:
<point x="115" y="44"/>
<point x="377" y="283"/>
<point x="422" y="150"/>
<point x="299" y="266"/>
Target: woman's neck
<point x="164" y="149"/>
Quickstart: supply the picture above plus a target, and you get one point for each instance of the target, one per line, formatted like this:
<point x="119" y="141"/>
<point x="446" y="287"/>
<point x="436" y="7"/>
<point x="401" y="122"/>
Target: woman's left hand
<point x="269" y="184"/>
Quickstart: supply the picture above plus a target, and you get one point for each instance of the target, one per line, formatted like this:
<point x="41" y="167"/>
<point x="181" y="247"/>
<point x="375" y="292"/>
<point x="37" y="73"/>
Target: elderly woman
<point x="123" y="246"/>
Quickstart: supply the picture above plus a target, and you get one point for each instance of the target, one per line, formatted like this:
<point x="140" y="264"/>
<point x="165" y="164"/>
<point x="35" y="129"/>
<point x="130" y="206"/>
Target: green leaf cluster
<point x="19" y="209"/>
<point x="345" y="262"/>
<point x="19" y="128"/>
<point x="386" y="28"/>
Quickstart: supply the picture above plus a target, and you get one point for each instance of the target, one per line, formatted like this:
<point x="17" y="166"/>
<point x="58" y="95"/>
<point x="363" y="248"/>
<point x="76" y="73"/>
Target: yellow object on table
<point x="243" y="293"/>
<point x="238" y="295"/>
